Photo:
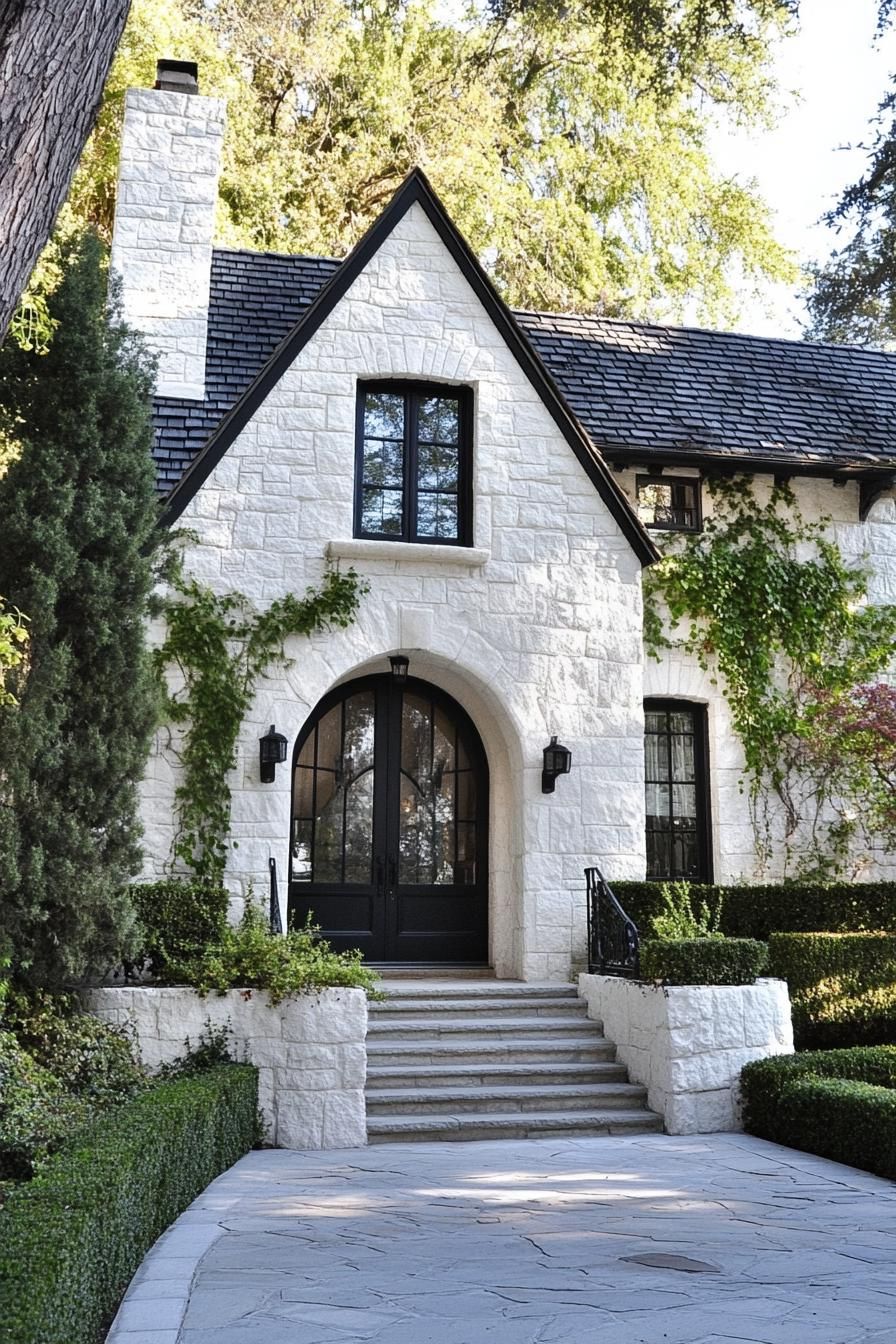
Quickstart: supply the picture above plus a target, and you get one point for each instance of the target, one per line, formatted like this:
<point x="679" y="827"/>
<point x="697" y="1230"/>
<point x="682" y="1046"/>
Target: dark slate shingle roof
<point x="638" y="389"/>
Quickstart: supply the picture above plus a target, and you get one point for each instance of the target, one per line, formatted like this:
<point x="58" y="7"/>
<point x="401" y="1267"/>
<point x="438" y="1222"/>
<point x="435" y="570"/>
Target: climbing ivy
<point x="220" y="646"/>
<point x="766" y="603"/>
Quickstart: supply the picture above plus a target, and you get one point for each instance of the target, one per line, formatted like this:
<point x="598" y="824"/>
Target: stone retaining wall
<point x="309" y="1050"/>
<point x="688" y="1043"/>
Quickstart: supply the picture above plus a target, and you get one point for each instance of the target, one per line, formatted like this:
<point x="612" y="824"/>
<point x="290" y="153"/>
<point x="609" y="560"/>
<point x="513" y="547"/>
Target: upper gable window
<point x="414" y="460"/>
<point x="669" y="502"/>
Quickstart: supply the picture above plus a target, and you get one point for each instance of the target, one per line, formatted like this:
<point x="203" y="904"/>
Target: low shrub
<point x="72" y="1238"/>
<point x="842" y="986"/>
<point x="702" y="961"/>
<point x="787" y="907"/>
<point x="180" y="918"/>
<point x="836" y="1103"/>
<point x="250" y="955"/>
<point x="37" y="1114"/>
<point x="682" y="917"/>
<point x="90" y="1058"/>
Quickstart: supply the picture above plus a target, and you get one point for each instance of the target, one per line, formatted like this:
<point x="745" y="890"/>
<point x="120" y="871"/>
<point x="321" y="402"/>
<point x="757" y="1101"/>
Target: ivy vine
<point x="766" y="603"/>
<point x="220" y="645"/>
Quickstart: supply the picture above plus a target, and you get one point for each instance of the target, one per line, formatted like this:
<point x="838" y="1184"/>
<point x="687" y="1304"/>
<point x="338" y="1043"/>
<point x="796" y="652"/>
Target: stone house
<point x="496" y="478"/>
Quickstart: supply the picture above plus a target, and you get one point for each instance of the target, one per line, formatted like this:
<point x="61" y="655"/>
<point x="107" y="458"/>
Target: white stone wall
<point x="535" y="631"/>
<point x="309" y="1050"/>
<point x="871" y="544"/>
<point x="688" y="1043"/>
<point x="164" y="222"/>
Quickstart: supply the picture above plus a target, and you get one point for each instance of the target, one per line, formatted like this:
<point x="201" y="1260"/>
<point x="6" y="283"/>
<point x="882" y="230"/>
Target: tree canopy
<point x="570" y="144"/>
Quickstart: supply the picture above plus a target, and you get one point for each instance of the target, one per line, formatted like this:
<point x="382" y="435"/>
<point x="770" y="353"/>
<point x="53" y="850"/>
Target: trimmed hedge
<point x="757" y="911"/>
<point x="839" y="1104"/>
<point x="702" y="961"/>
<point x="180" y="918"/>
<point x="71" y="1239"/>
<point x="842" y="986"/>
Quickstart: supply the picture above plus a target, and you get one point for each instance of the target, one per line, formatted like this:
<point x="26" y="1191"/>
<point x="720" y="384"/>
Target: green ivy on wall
<point x="220" y="646"/>
<point x="766" y="603"/>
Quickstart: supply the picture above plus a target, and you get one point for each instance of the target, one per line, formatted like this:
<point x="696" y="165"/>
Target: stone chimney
<point x="164" y="221"/>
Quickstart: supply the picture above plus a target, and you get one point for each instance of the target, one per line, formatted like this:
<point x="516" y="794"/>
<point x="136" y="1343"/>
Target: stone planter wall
<point x="309" y="1050"/>
<point x="688" y="1043"/>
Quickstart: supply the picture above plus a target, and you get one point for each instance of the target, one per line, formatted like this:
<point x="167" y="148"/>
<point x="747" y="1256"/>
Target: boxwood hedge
<point x="839" y="1104"/>
<point x="71" y="1239"/>
<point x="702" y="961"/>
<point x="757" y="911"/>
<point x="842" y="986"/>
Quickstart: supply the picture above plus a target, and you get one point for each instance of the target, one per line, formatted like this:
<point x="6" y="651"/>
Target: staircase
<point x="492" y="1059"/>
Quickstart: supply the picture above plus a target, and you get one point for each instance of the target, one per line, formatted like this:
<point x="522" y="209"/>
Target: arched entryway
<point x="389" y="844"/>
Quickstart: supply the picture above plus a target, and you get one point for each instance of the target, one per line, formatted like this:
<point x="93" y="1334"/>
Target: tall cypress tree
<point x="77" y="512"/>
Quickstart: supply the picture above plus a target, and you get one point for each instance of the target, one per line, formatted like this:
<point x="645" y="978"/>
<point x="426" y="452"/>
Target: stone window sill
<point x="414" y="553"/>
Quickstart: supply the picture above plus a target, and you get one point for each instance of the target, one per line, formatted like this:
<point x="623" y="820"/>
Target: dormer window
<point x="669" y="503"/>
<point x="414" y="463"/>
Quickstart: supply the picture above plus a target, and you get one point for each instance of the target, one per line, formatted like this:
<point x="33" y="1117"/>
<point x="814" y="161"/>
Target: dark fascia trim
<point x="726" y="464"/>
<point x="415" y="190"/>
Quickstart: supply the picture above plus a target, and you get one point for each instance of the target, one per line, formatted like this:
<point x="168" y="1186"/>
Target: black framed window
<point x="671" y="503"/>
<point x="676" y="784"/>
<point x="414" y="463"/>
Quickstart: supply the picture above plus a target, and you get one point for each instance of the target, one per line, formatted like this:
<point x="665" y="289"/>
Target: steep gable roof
<point x="414" y="190"/>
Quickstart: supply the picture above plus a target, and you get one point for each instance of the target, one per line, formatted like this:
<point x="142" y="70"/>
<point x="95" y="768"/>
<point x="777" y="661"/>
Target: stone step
<point x="484" y="1054"/>
<point x="488" y="989"/>
<point x="476" y="1073"/>
<point x="532" y="1125"/>
<point x="504" y="1100"/>
<point x="455" y="1007"/>
<point x="479" y="1025"/>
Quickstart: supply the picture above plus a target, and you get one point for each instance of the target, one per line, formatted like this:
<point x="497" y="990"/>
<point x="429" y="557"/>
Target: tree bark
<point x="54" y="59"/>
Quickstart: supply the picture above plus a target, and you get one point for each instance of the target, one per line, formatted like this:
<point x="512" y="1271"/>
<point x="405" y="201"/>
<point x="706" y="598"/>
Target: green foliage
<point x="13" y="648"/>
<point x="214" y="1047"/>
<point x="79" y="510"/>
<point x="703" y="961"/>
<point x="90" y="1058"/>
<point x="842" y="986"/>
<point x="37" y="1114"/>
<point x="250" y="956"/>
<point x="71" y="1239"/>
<point x="179" y="918"/>
<point x="765" y="602"/>
<point x="575" y="156"/>
<point x="220" y="646"/>
<point x="757" y="911"/>
<point x="681" y="918"/>
<point x="840" y="1104"/>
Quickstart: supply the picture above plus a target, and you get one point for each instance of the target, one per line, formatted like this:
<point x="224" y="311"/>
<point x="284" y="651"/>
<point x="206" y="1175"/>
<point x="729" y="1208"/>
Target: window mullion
<point x="411" y="433"/>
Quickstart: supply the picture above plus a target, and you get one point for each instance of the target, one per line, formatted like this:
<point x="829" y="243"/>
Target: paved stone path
<point x="526" y="1242"/>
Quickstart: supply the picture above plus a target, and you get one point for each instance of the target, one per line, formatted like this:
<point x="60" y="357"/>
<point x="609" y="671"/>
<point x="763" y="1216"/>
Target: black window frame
<point x="414" y="392"/>
<point x="700" y="717"/>
<point x="664" y="478"/>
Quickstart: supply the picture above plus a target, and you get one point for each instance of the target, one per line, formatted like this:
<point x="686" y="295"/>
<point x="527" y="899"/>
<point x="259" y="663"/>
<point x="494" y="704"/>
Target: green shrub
<point x="702" y="961"/>
<point x="756" y="911"/>
<point x="90" y="1058"/>
<point x="842" y="986"/>
<point x="250" y="955"/>
<point x="681" y="917"/>
<point x="180" y="919"/>
<point x="837" y="1103"/>
<point x="72" y="1238"/>
<point x="37" y="1114"/>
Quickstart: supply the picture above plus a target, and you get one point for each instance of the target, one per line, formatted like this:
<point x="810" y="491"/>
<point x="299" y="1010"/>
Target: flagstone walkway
<point x="641" y="1240"/>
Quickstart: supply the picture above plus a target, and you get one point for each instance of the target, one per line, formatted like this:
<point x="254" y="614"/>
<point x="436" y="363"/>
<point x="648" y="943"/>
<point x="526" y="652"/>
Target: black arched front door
<point x="389" y="824"/>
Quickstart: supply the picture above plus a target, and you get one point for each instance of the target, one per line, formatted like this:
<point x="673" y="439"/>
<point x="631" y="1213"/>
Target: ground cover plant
<point x="839" y="1104"/>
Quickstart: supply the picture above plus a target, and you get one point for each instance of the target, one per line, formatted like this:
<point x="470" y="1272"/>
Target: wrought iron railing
<point x="613" y="942"/>
<point x="274" y="912"/>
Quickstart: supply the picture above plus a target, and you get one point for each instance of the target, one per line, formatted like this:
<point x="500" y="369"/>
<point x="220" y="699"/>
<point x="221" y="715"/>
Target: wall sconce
<point x="557" y="761"/>
<point x="400" y="666"/>
<point x="271" y="753"/>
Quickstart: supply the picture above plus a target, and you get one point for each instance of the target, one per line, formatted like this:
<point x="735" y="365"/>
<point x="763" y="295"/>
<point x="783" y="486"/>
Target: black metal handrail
<point x="274" y="912"/>
<point x="613" y="940"/>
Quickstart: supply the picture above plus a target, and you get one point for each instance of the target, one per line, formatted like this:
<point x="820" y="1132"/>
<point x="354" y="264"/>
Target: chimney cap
<point x="177" y="76"/>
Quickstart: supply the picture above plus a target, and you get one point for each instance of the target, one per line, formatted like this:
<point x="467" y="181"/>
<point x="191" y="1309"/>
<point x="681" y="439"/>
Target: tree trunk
<point x="54" y="59"/>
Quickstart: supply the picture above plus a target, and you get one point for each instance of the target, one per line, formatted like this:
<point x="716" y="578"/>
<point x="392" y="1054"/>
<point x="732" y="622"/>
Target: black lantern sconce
<point x="271" y="753"/>
<point x="557" y="761"/>
<point x="400" y="666"/>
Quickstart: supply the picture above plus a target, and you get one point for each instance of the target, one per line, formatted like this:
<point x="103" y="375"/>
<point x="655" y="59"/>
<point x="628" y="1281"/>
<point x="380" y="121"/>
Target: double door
<point x="389" y="824"/>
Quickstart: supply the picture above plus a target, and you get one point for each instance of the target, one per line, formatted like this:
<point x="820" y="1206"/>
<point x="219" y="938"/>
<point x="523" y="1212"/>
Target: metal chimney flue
<point x="177" y="76"/>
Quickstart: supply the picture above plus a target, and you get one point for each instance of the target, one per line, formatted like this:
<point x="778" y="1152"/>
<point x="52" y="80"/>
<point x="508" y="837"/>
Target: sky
<point x="803" y="165"/>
